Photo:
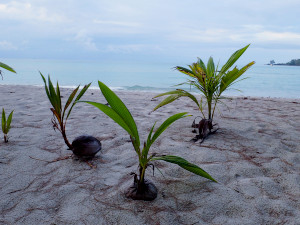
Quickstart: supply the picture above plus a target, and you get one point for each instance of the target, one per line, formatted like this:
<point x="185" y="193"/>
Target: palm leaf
<point x="69" y="101"/>
<point x="58" y="95"/>
<point x="233" y="58"/>
<point x="185" y="71"/>
<point x="7" y="67"/>
<point x="53" y="96"/>
<point x="169" y="93"/>
<point x="151" y="139"/>
<point x="46" y="87"/>
<point x="176" y="85"/>
<point x="150" y="134"/>
<point x="81" y="93"/>
<point x="167" y="100"/>
<point x="210" y="67"/>
<point x="201" y="64"/>
<point x="185" y="164"/>
<point x="8" y="122"/>
<point x="166" y="124"/>
<point x="229" y="78"/>
<point x="113" y="115"/>
<point x="3" y="121"/>
<point x="119" y="107"/>
<point x="147" y="144"/>
<point x="55" y="113"/>
<point x="173" y="96"/>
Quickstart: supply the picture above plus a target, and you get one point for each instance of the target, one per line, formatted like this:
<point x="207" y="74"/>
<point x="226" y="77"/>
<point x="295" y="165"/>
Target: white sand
<point x="255" y="157"/>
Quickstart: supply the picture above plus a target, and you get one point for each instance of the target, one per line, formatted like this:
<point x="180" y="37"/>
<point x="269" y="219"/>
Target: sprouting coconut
<point x="211" y="81"/>
<point x="142" y="189"/>
<point x="84" y="147"/>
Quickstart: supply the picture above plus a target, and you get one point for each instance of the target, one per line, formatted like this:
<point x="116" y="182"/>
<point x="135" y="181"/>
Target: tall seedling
<point x="61" y="114"/>
<point x="117" y="111"/>
<point x="211" y="81"/>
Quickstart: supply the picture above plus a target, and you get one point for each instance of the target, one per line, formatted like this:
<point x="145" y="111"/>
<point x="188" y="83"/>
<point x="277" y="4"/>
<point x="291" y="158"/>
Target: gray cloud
<point x="162" y="28"/>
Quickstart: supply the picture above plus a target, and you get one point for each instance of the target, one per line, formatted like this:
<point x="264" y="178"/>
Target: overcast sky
<point x="150" y="30"/>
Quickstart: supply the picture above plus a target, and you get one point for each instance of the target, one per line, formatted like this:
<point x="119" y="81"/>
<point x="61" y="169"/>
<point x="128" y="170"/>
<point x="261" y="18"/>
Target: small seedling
<point x="211" y="81"/>
<point x="142" y="189"/>
<point x="6" y="124"/>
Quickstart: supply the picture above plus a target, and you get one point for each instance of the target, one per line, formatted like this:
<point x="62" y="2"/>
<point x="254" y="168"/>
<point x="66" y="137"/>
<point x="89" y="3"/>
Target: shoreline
<point x="119" y="89"/>
<point x="254" y="157"/>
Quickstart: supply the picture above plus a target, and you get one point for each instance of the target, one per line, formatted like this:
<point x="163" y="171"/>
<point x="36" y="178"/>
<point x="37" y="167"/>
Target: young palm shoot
<point x="211" y="81"/>
<point x="6" y="124"/>
<point x="142" y="189"/>
<point x="85" y="146"/>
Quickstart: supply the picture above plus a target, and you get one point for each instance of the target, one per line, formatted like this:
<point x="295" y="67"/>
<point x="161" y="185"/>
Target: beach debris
<point x="142" y="189"/>
<point x="6" y="124"/>
<point x="211" y="81"/>
<point x="52" y="161"/>
<point x="67" y="157"/>
<point x="205" y="127"/>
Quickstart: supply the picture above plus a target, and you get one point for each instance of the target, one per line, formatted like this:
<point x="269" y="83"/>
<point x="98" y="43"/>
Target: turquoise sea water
<point x="263" y="80"/>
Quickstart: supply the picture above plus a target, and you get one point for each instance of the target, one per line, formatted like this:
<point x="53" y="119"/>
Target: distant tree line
<point x="293" y="62"/>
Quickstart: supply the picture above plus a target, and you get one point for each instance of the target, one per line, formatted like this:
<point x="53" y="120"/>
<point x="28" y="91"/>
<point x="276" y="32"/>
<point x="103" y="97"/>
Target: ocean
<point x="262" y="80"/>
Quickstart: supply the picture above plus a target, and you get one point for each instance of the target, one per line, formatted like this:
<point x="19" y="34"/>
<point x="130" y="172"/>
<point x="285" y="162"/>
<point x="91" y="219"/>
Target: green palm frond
<point x="119" y="113"/>
<point x="209" y="80"/>
<point x="233" y="58"/>
<point x="4" y="66"/>
<point x="173" y="95"/>
<point x="185" y="164"/>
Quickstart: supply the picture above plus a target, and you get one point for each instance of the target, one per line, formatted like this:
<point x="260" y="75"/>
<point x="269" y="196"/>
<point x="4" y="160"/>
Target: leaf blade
<point x="69" y="101"/>
<point x="119" y="107"/>
<point x="179" y="93"/>
<point x="7" y="67"/>
<point x="166" y="124"/>
<point x="233" y="58"/>
<point x="81" y="93"/>
<point x="112" y="114"/>
<point x="3" y="120"/>
<point x="167" y="100"/>
<point x="8" y="122"/>
<point x="185" y="165"/>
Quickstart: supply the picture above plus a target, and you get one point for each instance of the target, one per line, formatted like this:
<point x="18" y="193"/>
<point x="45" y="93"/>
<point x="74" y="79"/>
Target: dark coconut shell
<point x="86" y="146"/>
<point x="148" y="192"/>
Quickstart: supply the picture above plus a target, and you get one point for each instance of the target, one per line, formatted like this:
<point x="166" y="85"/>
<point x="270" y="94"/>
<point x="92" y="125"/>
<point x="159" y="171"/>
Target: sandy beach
<point x="255" y="157"/>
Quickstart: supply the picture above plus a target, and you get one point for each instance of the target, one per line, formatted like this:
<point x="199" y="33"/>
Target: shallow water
<point x="263" y="80"/>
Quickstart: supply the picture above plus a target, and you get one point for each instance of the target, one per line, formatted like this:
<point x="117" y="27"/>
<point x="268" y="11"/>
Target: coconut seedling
<point x="6" y="124"/>
<point x="211" y="81"/>
<point x="83" y="146"/>
<point x="142" y="189"/>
